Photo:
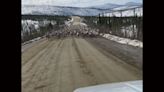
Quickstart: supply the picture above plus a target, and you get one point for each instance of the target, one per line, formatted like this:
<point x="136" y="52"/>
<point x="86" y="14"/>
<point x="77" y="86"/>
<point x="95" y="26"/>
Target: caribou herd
<point x="72" y="33"/>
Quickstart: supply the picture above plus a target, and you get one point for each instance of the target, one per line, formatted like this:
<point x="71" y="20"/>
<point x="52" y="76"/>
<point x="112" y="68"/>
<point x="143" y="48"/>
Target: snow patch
<point x="123" y="40"/>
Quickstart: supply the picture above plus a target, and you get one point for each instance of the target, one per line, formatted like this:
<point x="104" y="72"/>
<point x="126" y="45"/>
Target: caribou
<point x="75" y="33"/>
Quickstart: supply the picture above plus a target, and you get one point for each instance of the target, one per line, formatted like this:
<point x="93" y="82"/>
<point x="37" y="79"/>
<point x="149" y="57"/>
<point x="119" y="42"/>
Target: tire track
<point x="83" y="65"/>
<point x="32" y="52"/>
<point x="67" y="83"/>
<point x="35" y="69"/>
<point x="129" y="54"/>
<point x="80" y="79"/>
<point x="32" y="62"/>
<point x="128" y="67"/>
<point x="101" y="76"/>
<point x="52" y="66"/>
<point x="123" y="70"/>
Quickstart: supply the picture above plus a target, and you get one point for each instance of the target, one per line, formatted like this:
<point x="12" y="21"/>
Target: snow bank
<point x="33" y="40"/>
<point x="123" y="40"/>
<point x="83" y="24"/>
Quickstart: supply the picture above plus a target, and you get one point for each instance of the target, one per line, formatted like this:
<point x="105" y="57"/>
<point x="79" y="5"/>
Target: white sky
<point x="76" y="3"/>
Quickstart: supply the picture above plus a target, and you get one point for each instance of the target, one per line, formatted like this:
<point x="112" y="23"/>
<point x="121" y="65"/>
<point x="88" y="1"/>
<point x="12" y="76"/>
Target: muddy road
<point x="62" y="65"/>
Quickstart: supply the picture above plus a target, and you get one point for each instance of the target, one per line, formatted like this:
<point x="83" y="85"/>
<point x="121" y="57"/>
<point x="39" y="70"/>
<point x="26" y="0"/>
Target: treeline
<point x="127" y="27"/>
<point x="59" y="19"/>
<point x="34" y="33"/>
<point x="41" y="17"/>
<point x="90" y="21"/>
<point x="29" y="31"/>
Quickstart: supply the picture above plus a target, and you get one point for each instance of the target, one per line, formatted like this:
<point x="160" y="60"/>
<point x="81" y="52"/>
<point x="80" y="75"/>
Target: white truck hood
<point x="128" y="86"/>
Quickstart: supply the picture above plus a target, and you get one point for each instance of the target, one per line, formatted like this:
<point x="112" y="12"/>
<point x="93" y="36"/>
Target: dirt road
<point x="62" y="65"/>
<point x="76" y="20"/>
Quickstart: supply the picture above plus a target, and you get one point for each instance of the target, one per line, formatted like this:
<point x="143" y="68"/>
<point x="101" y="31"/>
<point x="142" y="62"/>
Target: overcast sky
<point x="75" y="3"/>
